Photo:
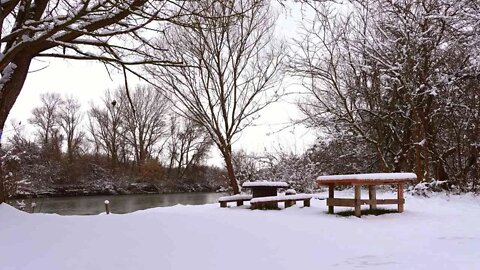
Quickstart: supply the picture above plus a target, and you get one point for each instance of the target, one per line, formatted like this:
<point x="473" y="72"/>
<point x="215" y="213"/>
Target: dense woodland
<point x="388" y="86"/>
<point x="398" y="82"/>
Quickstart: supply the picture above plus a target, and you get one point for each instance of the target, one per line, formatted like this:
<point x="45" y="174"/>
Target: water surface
<point x="119" y="204"/>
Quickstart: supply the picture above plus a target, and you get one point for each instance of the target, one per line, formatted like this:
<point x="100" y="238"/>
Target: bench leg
<point x="400" y="197"/>
<point x="223" y="204"/>
<point x="260" y="205"/>
<point x="331" y="195"/>
<point x="358" y="198"/>
<point x="288" y="204"/>
<point x="306" y="203"/>
<point x="239" y="203"/>
<point x="372" y="196"/>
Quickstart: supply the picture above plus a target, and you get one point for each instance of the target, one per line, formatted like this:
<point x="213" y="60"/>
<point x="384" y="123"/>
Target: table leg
<point x="331" y="195"/>
<point x="358" y="198"/>
<point x="265" y="192"/>
<point x="372" y="196"/>
<point x="400" y="197"/>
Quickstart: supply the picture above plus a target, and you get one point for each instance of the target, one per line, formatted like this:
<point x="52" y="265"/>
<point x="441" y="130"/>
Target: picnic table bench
<point x="238" y="198"/>
<point x="371" y="180"/>
<point x="289" y="200"/>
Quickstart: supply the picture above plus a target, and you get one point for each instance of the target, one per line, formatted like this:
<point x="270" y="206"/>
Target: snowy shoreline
<point x="440" y="232"/>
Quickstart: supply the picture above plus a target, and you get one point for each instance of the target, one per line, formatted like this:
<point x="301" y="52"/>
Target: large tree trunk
<point x="417" y="127"/>
<point x="70" y="152"/>
<point x="12" y="87"/>
<point x="227" y="156"/>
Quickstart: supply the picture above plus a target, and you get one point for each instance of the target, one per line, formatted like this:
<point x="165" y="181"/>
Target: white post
<point x="107" y="210"/>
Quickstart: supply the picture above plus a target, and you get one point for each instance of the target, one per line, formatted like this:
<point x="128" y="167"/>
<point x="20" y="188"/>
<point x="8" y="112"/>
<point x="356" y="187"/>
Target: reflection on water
<point x="119" y="204"/>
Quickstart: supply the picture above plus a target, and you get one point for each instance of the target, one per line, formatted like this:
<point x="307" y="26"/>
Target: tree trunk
<point x="426" y="160"/>
<point x="418" y="148"/>
<point x="3" y="192"/>
<point x="11" y="89"/>
<point x="227" y="156"/>
<point x="70" y="149"/>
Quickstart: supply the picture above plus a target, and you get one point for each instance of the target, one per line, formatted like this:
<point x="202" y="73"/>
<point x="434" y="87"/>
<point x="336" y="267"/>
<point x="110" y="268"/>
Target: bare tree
<point x="234" y="69"/>
<point x="69" y="119"/>
<point x="105" y="126"/>
<point x="187" y="145"/>
<point x="19" y="138"/>
<point x="144" y="121"/>
<point x="45" y="117"/>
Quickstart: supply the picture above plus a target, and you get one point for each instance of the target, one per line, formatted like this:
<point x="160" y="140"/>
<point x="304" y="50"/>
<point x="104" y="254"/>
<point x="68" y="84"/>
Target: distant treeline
<point x="124" y="144"/>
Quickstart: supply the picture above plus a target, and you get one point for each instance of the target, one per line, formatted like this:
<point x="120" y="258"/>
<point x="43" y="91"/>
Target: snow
<point x="368" y="176"/>
<point x="7" y="74"/>
<point x="290" y="191"/>
<point x="265" y="183"/>
<point x="433" y="233"/>
<point x="235" y="197"/>
<point x="281" y="197"/>
<point x="422" y="142"/>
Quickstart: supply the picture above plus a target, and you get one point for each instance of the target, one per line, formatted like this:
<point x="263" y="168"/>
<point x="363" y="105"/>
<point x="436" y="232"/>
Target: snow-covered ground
<point x="433" y="233"/>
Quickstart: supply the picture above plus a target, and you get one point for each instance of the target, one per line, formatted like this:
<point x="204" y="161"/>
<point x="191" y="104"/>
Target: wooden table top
<point x="366" y="179"/>
<point x="265" y="184"/>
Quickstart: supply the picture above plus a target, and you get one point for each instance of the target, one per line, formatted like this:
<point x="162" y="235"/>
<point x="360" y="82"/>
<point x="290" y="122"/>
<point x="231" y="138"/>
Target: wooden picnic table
<point x="265" y="189"/>
<point x="371" y="180"/>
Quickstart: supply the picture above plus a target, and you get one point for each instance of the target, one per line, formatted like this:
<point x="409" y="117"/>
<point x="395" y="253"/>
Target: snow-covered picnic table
<point x="371" y="180"/>
<point x="265" y="189"/>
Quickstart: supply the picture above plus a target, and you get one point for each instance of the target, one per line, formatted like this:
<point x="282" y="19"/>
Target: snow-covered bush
<point x="426" y="188"/>
<point x="246" y="166"/>
<point x="11" y="181"/>
<point x="297" y="170"/>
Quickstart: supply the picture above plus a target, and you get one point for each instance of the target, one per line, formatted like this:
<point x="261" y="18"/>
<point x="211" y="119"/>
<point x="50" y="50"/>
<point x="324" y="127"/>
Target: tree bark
<point x="11" y="89"/>
<point x="227" y="156"/>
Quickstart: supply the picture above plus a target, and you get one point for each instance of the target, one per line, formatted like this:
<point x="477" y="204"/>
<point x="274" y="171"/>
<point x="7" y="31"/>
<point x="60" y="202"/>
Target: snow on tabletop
<point x="235" y="197"/>
<point x="281" y="198"/>
<point x="265" y="184"/>
<point x="369" y="176"/>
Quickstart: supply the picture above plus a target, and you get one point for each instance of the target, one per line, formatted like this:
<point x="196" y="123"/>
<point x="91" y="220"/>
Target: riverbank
<point x="433" y="233"/>
<point x="110" y="189"/>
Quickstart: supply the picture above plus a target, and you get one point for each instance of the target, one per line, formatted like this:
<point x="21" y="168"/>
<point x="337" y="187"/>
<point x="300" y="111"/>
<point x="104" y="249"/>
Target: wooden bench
<point x="239" y="198"/>
<point x="289" y="200"/>
<point x="371" y="180"/>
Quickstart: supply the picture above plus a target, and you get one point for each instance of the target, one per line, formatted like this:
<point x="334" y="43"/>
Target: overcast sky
<point x="89" y="80"/>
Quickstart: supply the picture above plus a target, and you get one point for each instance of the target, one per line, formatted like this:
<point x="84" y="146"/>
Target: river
<point x="119" y="204"/>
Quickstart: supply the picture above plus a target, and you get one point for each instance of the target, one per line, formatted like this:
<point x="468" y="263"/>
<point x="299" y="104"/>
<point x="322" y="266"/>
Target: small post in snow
<point x="107" y="210"/>
<point x="33" y="207"/>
